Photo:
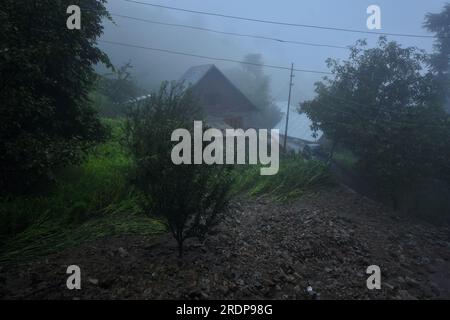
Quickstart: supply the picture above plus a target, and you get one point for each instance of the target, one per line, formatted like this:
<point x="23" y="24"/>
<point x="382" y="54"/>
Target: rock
<point x="148" y="292"/>
<point x="223" y="288"/>
<point x="314" y="295"/>
<point x="388" y="285"/>
<point x="195" y="294"/>
<point x="204" y="295"/>
<point x="435" y="289"/>
<point x="298" y="291"/>
<point x="107" y="283"/>
<point x="437" y="260"/>
<point x="122" y="252"/>
<point x="290" y="279"/>
<point x="269" y="283"/>
<point x="405" y="295"/>
<point x="258" y="285"/>
<point x="411" y="282"/>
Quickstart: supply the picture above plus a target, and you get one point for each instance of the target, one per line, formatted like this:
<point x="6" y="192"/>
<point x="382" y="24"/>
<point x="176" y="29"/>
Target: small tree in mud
<point x="190" y="198"/>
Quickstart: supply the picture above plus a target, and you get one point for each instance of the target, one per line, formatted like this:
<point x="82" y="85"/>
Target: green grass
<point x="296" y="177"/>
<point x="88" y="201"/>
<point x="95" y="199"/>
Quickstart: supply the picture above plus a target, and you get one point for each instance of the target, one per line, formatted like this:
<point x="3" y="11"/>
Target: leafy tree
<point x="386" y="109"/>
<point x="191" y="198"/>
<point x="121" y="87"/>
<point x="46" y="74"/>
<point x="439" y="23"/>
<point x="250" y="78"/>
<point x="114" y="91"/>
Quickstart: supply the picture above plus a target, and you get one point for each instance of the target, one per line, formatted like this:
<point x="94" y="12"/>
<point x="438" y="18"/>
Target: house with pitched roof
<point x="225" y="105"/>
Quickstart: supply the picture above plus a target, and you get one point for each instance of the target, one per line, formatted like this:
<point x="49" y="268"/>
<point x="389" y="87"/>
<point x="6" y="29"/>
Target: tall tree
<point x="46" y="74"/>
<point x="119" y="85"/>
<point x="383" y="106"/>
<point x="115" y="90"/>
<point x="439" y="23"/>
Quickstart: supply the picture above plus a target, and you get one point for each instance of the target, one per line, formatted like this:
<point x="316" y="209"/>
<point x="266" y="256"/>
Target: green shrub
<point x="191" y="198"/>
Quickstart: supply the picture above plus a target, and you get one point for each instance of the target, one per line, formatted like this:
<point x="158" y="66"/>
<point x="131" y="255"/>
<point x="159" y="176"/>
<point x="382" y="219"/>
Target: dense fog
<point x="151" y="67"/>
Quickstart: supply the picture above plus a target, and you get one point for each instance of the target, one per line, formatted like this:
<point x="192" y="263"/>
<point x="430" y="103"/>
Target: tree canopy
<point x="439" y="23"/>
<point x="47" y="72"/>
<point x="385" y="107"/>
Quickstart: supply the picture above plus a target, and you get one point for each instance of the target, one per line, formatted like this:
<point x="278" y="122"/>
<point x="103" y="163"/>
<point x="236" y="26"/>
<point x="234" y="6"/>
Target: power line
<point x="228" y="33"/>
<point x="280" y="22"/>
<point x="209" y="57"/>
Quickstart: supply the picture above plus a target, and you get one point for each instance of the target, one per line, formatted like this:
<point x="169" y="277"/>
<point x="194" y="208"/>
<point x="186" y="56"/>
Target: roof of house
<point x="299" y="126"/>
<point x="195" y="74"/>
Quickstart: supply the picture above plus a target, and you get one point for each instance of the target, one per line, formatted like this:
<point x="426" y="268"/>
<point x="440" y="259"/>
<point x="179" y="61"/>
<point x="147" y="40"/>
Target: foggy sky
<point x="399" y="16"/>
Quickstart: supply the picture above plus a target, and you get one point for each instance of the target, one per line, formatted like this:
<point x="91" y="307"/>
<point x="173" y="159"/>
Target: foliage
<point x="190" y="197"/>
<point x="295" y="178"/>
<point x="115" y="90"/>
<point x="345" y="158"/>
<point x="251" y="79"/>
<point x="46" y="74"/>
<point x="88" y="201"/>
<point x="384" y="108"/>
<point x="439" y="23"/>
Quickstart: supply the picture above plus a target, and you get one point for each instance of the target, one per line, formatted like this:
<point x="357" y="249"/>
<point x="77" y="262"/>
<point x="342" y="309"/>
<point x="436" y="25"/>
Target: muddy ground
<point x="263" y="250"/>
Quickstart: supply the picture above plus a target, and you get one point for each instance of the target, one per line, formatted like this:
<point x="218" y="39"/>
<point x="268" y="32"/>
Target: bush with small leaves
<point x="191" y="198"/>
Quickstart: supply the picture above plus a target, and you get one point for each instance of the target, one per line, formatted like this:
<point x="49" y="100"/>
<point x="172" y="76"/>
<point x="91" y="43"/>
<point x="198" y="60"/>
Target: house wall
<point x="220" y="98"/>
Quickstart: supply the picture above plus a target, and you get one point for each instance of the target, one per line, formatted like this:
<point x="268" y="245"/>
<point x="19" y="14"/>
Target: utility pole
<point x="288" y="106"/>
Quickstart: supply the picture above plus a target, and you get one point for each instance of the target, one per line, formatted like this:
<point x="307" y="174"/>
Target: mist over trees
<point x="119" y="85"/>
<point x="250" y="78"/>
<point x="114" y="91"/>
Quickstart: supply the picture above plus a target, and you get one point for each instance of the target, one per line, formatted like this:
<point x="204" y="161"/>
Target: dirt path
<point x="263" y="250"/>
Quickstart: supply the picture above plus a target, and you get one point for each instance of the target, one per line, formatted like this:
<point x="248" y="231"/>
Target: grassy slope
<point x="296" y="176"/>
<point x="95" y="200"/>
<point x="88" y="201"/>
